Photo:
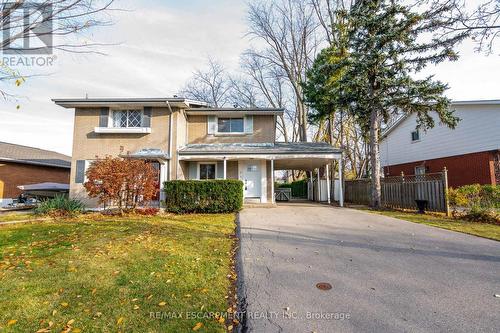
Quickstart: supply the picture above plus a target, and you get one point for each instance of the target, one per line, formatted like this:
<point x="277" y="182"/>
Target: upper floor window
<point x="127" y="118"/>
<point x="415" y="135"/>
<point x="230" y="125"/>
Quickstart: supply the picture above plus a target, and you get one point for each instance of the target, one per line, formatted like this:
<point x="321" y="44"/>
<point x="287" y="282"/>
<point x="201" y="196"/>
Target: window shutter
<point x="103" y="117"/>
<point x="248" y="124"/>
<point x="192" y="171"/>
<point x="146" y="118"/>
<point x="212" y="125"/>
<point x="80" y="172"/>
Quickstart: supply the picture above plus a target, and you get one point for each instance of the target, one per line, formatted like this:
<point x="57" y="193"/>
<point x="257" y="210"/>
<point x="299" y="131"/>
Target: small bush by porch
<point x="208" y="196"/>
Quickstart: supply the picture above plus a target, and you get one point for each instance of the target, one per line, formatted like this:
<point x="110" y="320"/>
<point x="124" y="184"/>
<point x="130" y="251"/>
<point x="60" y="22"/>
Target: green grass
<point x="491" y="231"/>
<point x="110" y="274"/>
<point x="17" y="217"/>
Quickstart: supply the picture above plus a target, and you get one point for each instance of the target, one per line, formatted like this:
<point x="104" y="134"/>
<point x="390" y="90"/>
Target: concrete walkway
<point x="387" y="275"/>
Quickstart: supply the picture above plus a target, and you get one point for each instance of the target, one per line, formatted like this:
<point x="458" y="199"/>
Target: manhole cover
<point x="324" y="286"/>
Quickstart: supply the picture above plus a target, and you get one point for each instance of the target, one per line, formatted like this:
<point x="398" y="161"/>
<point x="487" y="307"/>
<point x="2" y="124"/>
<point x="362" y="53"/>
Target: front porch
<point x="256" y="164"/>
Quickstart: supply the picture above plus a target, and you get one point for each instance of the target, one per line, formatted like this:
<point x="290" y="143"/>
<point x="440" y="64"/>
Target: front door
<point x="252" y="179"/>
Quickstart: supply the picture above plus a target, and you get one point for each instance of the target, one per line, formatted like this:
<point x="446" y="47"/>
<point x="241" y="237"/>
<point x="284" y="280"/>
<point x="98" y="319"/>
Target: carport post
<point x="341" y="187"/>
<point x="272" y="181"/>
<point x="225" y="168"/>
<point x="328" y="184"/>
<point x="319" y="185"/>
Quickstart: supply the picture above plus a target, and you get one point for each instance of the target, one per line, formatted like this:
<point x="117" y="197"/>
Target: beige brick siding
<point x="87" y="144"/>
<point x="263" y="131"/>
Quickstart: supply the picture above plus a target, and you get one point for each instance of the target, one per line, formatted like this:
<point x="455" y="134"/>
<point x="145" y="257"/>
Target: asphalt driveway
<point x="387" y="275"/>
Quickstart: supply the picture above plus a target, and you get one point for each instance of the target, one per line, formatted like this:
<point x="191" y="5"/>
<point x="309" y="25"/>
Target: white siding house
<point x="403" y="149"/>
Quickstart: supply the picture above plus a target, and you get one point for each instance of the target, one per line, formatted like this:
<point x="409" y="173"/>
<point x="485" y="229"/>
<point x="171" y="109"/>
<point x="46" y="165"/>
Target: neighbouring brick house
<point x="22" y="165"/>
<point x="470" y="152"/>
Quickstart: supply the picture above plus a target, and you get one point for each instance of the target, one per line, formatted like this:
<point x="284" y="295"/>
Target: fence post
<point x="402" y="200"/>
<point x="445" y="191"/>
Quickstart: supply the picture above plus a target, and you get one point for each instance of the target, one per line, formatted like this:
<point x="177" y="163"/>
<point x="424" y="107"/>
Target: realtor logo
<point x="27" y="28"/>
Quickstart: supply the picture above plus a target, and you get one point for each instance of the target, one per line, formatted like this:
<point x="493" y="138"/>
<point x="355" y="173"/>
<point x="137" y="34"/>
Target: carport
<point x="255" y="164"/>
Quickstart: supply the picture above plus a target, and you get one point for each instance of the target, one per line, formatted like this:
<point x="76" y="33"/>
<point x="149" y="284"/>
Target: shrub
<point x="475" y="202"/>
<point x="121" y="182"/>
<point x="60" y="206"/>
<point x="207" y="196"/>
<point x="299" y="188"/>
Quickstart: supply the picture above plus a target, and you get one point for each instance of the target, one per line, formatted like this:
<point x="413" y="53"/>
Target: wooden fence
<point x="400" y="192"/>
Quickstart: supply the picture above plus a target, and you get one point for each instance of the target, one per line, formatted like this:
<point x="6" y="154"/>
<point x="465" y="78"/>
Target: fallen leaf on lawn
<point x="43" y="330"/>
<point x="187" y="295"/>
<point x="136" y="307"/>
<point x="98" y="314"/>
<point x="51" y="323"/>
<point x="197" y="326"/>
<point x="94" y="291"/>
<point x="64" y="304"/>
<point x="11" y="322"/>
<point x="76" y="330"/>
<point x="119" y="321"/>
<point x="69" y="323"/>
<point x="162" y="303"/>
<point x="135" y="299"/>
<point x="116" y="272"/>
<point x="54" y="312"/>
<point x="150" y="296"/>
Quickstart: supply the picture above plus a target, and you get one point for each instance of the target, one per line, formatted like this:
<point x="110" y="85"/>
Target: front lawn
<point x="17" y="217"/>
<point x="491" y="231"/>
<point x="108" y="274"/>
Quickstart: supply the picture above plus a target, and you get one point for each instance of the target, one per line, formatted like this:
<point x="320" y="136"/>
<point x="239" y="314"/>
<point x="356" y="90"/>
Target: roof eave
<point x="71" y="103"/>
<point x="12" y="160"/>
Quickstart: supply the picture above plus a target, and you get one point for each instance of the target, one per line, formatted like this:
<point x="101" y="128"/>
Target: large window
<point x="230" y="125"/>
<point x="207" y="171"/>
<point x="127" y="118"/>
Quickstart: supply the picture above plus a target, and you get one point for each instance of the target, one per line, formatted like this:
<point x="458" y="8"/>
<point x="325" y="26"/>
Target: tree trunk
<point x="376" y="192"/>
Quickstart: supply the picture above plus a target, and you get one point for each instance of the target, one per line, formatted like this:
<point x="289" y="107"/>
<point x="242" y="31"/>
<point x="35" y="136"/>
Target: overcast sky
<point x="161" y="43"/>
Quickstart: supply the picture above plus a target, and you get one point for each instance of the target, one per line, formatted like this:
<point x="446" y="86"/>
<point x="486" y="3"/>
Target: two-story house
<point x="186" y="139"/>
<point x="470" y="152"/>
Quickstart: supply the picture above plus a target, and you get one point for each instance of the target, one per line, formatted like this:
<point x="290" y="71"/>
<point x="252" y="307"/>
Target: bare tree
<point x="273" y="89"/>
<point x="211" y="85"/>
<point x="483" y="24"/>
<point x="55" y="24"/>
<point x="288" y="29"/>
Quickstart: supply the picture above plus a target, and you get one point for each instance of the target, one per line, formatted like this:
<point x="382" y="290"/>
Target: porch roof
<point x="148" y="154"/>
<point x="279" y="148"/>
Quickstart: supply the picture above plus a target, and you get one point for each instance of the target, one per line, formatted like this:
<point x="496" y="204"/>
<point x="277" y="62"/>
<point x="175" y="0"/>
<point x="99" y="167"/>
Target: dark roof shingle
<point x="261" y="148"/>
<point x="28" y="155"/>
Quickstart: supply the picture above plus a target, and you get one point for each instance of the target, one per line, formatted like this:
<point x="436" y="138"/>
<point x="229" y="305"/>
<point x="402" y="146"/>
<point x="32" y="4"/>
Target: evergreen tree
<point x="388" y="43"/>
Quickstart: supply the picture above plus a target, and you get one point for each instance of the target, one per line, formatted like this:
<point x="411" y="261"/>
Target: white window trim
<point x="198" y="169"/>
<point x="417" y="167"/>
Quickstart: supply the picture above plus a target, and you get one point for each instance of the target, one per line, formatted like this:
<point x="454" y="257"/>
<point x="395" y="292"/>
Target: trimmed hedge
<point x="204" y="196"/>
<point x="299" y="188"/>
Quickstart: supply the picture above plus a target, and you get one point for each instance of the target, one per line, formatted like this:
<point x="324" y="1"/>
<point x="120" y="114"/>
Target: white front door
<point x="252" y="179"/>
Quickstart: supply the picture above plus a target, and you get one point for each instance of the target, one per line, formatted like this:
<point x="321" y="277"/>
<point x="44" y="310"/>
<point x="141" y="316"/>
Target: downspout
<point x="170" y="135"/>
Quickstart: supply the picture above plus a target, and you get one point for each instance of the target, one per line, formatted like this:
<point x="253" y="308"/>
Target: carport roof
<point x="260" y="148"/>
